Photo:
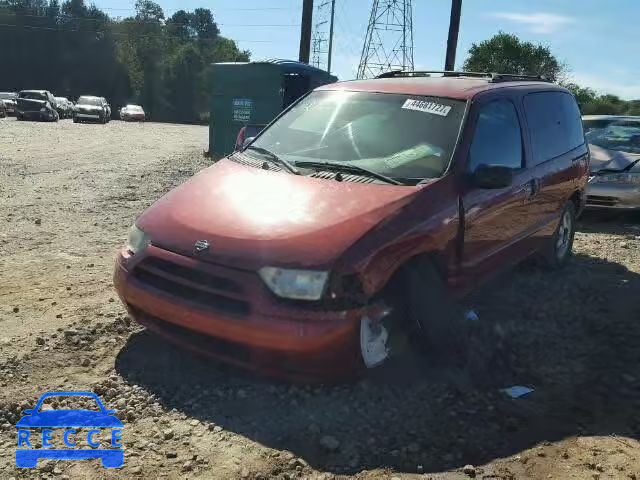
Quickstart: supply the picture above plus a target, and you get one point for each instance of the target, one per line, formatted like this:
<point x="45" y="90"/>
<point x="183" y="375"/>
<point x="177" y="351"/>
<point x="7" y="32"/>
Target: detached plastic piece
<point x="472" y="316"/>
<point x="517" y="391"/>
<point x="373" y="342"/>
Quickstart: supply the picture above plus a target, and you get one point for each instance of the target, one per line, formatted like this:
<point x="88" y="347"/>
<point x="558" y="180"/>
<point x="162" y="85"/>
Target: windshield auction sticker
<point x="427" y="107"/>
<point x="61" y="433"/>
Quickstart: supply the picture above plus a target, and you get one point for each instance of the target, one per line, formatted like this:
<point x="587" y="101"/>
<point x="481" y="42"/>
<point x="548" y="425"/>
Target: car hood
<point x="88" y="107"/>
<point x="69" y="418"/>
<point x="612" y="160"/>
<point x="252" y="217"/>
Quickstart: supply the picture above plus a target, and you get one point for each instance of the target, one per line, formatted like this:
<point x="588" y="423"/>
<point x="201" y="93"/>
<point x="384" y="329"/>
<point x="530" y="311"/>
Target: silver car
<point x="614" y="142"/>
<point x="9" y="99"/>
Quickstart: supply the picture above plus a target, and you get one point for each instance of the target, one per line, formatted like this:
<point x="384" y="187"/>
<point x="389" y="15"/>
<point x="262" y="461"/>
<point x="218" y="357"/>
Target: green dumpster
<point x="253" y="93"/>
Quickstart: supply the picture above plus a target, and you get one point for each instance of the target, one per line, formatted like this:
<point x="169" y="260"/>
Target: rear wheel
<point x="560" y="247"/>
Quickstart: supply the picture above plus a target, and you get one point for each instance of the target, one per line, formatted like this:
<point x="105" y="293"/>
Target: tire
<point x="560" y="248"/>
<point x="436" y="319"/>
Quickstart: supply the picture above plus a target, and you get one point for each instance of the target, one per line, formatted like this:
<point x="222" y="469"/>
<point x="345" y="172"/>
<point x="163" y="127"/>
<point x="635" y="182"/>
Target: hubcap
<point x="564" y="235"/>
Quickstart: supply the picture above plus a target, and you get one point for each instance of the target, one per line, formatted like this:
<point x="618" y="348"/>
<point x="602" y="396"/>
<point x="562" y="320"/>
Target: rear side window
<point x="555" y="124"/>
<point x="497" y="139"/>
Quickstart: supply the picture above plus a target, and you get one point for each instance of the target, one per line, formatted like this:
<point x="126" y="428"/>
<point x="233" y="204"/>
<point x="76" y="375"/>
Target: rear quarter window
<point x="554" y="123"/>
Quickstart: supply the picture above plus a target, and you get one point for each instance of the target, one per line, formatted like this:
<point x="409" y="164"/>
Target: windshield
<point x="133" y="108"/>
<point x="96" y="102"/>
<point x="34" y="95"/>
<point x="8" y="96"/>
<point x="621" y="135"/>
<point x="400" y="136"/>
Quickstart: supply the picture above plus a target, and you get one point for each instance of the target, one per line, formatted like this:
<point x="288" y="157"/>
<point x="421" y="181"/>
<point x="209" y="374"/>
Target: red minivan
<point x="289" y="255"/>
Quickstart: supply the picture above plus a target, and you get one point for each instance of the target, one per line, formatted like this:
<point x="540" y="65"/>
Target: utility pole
<point x="452" y="40"/>
<point x="333" y="15"/>
<point x="305" y="30"/>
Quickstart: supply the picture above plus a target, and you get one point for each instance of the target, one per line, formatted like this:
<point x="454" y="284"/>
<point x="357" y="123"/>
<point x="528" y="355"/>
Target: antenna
<point x="388" y="44"/>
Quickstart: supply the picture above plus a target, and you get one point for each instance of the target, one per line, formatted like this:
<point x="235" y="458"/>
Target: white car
<point x="132" y="113"/>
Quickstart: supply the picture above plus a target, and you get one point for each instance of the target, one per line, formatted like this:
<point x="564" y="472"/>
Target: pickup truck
<point x="36" y="105"/>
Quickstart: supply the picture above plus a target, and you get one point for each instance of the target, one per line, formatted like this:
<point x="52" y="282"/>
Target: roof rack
<point x="492" y="77"/>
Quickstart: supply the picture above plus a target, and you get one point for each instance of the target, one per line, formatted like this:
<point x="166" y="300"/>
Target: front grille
<point x="193" y="285"/>
<point x="601" y="201"/>
<point x="199" y="341"/>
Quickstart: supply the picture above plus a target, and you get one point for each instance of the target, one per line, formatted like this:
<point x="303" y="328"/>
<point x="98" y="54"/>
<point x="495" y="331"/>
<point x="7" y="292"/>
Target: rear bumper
<point x="611" y="196"/>
<point x="269" y="337"/>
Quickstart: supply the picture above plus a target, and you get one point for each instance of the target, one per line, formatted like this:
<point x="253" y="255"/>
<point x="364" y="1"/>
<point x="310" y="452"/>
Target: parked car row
<point x="42" y="105"/>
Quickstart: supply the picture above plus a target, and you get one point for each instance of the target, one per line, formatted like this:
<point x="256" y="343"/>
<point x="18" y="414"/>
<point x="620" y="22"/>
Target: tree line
<point x="74" y="49"/>
<point x="505" y="53"/>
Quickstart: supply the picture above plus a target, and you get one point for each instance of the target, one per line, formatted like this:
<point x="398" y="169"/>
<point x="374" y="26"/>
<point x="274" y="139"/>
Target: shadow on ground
<point x="575" y="335"/>
<point x="604" y="221"/>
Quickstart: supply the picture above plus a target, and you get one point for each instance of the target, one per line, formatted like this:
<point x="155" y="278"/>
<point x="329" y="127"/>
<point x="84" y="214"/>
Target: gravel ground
<point x="68" y="195"/>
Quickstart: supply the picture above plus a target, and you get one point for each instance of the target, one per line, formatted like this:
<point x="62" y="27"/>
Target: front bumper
<point x="90" y="116"/>
<point x="246" y="327"/>
<point x="613" y="196"/>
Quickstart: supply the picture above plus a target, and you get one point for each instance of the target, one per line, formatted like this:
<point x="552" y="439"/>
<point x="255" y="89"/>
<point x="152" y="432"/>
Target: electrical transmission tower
<point x="322" y="41"/>
<point x="388" y="44"/>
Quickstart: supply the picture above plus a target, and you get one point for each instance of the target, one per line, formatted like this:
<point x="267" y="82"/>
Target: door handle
<point x="535" y="186"/>
<point x="529" y="189"/>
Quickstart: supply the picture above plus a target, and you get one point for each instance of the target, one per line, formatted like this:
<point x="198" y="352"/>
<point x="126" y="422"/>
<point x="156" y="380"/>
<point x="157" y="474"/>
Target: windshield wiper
<point x="350" y="168"/>
<point x="274" y="158"/>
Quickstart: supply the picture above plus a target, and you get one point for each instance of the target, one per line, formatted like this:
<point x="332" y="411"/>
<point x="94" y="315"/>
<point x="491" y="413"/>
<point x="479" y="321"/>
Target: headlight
<point x="138" y="240"/>
<point x="628" y="178"/>
<point x="43" y="109"/>
<point x="295" y="284"/>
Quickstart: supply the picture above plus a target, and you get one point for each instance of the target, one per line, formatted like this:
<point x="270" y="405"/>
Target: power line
<point x="256" y="9"/>
<point x="85" y="19"/>
<point x="122" y="34"/>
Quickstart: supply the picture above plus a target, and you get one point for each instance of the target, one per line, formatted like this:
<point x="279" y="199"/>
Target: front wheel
<point x="560" y="247"/>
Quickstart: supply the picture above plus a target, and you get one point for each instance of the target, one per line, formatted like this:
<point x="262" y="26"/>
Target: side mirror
<point x="247" y="141"/>
<point x="492" y="176"/>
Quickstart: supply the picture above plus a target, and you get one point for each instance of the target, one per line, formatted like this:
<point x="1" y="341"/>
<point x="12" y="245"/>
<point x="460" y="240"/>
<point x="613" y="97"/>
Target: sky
<point x="598" y="40"/>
